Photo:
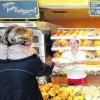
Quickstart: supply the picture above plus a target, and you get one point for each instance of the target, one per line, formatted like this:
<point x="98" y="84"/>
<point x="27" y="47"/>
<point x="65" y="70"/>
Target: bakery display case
<point x="89" y="42"/>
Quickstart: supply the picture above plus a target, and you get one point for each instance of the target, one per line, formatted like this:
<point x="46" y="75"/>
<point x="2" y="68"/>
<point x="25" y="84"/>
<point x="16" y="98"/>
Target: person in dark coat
<point x="19" y="66"/>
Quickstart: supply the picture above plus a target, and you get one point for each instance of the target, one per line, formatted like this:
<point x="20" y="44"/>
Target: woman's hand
<point x="49" y="60"/>
<point x="57" y="64"/>
<point x="78" y="62"/>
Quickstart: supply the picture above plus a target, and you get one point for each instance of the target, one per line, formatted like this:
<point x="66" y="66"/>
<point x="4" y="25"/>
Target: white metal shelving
<point x="76" y="28"/>
<point x="55" y="37"/>
<point x="62" y="60"/>
<point x="56" y="48"/>
<point x="78" y="67"/>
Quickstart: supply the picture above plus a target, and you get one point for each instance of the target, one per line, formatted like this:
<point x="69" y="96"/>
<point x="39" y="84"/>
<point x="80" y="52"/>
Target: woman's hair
<point x="5" y="38"/>
<point x="77" y="41"/>
<point x="18" y="35"/>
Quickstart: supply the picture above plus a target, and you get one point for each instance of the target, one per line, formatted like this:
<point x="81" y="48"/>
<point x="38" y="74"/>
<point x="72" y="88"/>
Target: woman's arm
<point x="43" y="69"/>
<point x="81" y="58"/>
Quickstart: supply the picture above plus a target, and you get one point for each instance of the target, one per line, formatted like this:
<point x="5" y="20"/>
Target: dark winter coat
<point x="18" y="78"/>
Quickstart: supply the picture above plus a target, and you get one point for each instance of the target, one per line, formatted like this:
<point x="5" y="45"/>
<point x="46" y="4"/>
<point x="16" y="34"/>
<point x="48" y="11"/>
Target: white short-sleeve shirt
<point x="80" y="56"/>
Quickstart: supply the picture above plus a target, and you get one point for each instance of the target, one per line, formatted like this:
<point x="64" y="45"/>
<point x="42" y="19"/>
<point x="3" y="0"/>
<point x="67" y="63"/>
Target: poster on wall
<point x="19" y="9"/>
<point x="94" y="8"/>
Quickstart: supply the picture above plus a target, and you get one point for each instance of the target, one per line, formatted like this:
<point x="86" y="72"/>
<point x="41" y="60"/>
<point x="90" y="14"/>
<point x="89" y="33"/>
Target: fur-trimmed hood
<point x="15" y="52"/>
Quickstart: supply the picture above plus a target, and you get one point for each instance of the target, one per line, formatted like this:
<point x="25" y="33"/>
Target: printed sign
<point x="19" y="9"/>
<point x="94" y="7"/>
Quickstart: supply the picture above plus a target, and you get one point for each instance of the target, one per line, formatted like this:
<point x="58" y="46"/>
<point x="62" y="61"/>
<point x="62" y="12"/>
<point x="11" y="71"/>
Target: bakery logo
<point x="11" y="7"/>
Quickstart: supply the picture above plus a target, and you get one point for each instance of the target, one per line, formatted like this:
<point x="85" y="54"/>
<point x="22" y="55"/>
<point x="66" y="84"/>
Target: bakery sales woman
<point x="75" y="56"/>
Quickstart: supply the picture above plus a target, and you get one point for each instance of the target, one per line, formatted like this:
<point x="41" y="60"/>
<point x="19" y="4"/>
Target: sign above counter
<point x="94" y="8"/>
<point x="19" y="9"/>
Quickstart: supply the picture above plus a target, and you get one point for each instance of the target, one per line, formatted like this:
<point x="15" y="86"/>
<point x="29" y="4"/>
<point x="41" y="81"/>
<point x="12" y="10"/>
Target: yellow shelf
<point x="63" y="2"/>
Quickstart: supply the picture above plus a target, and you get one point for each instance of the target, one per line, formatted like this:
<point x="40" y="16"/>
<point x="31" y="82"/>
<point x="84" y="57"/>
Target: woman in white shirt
<point x="75" y="56"/>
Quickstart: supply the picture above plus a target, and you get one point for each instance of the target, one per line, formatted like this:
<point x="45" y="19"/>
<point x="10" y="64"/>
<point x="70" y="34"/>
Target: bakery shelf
<point x="54" y="48"/>
<point x="55" y="37"/>
<point x="62" y="60"/>
<point x="76" y="28"/>
<point x="78" y="67"/>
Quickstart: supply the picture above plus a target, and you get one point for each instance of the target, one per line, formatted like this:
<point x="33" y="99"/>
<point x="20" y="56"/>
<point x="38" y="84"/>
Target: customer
<point x="19" y="66"/>
<point x="75" y="56"/>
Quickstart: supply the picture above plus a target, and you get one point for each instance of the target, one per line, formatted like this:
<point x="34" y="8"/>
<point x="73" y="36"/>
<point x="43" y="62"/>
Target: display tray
<point x="88" y="68"/>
